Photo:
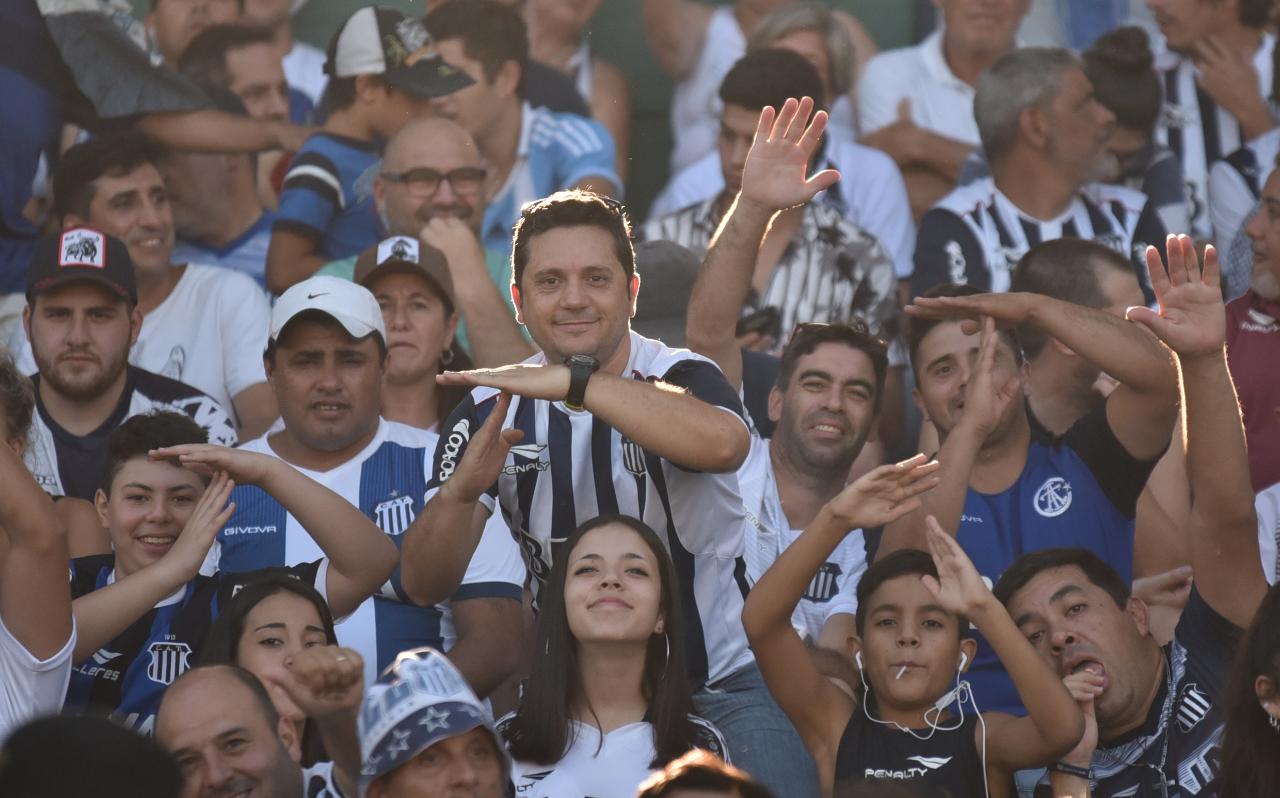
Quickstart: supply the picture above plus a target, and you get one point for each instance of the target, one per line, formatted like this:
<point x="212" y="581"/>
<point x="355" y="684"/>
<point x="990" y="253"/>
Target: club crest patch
<point x="1053" y="497"/>
<point x="83" y="248"/>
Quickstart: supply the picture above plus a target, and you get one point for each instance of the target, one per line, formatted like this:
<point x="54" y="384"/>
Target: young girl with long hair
<point x="1251" y="736"/>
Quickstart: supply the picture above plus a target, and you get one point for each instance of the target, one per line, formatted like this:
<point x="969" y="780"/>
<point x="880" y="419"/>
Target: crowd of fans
<point x="923" y="439"/>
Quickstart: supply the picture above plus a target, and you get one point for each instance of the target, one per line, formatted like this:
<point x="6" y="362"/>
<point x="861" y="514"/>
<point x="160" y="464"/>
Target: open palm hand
<point x="774" y="175"/>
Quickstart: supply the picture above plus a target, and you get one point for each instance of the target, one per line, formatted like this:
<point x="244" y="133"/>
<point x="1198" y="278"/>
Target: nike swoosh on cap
<point x="313" y="296"/>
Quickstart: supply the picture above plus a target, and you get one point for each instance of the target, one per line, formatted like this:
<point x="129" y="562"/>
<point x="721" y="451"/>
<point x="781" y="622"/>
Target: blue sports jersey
<point x="127" y="676"/>
<point x="1079" y="490"/>
<point x="556" y="151"/>
<point x="320" y="198"/>
<point x="247" y="254"/>
<point x="387" y="481"/>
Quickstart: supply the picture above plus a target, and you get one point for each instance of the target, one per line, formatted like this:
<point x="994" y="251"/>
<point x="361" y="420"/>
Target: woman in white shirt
<point x="607" y="700"/>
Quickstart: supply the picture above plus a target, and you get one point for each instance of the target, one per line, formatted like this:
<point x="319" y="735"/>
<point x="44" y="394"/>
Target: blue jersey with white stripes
<point x="571" y="467"/>
<point x="387" y="481"/>
<point x="127" y="676"/>
<point x="324" y="198"/>
<point x="556" y="151"/>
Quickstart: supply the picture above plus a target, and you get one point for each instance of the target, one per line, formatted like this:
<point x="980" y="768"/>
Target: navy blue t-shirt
<point x="1079" y="490"/>
<point x="126" y="677"/>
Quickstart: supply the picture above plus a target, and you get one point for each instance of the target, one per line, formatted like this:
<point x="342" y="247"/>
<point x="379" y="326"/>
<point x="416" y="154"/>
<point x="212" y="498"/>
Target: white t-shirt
<point x="940" y="101"/>
<point x="592" y="768"/>
<point x="1236" y="182"/>
<point x="1267" y="506"/>
<point x="695" y="103"/>
<point x="30" y="687"/>
<point x="208" y="333"/>
<point x="870" y="194"/>
<point x="304" y="70"/>
<point x="833" y="589"/>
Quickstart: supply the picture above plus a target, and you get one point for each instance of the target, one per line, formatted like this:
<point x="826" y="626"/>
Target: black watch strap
<point x="581" y="367"/>
<point x="1072" y="770"/>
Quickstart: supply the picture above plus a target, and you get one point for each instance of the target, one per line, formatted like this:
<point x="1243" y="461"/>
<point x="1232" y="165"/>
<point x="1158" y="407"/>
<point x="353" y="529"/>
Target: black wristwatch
<point x="1072" y="770"/>
<point x="581" y="367"/>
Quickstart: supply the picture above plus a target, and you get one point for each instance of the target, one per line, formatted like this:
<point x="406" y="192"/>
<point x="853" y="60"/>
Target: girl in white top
<point x="607" y="700"/>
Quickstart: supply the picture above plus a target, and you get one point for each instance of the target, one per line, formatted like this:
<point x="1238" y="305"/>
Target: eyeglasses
<point x="425" y="182"/>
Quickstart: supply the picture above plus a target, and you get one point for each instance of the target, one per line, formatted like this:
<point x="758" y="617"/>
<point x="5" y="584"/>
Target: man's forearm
<point x="35" y="597"/>
<point x="1217" y="459"/>
<point x="484" y="651"/>
<point x="437" y="548"/>
<point x="495" y="337"/>
<point x="210" y="131"/>
<point x="1120" y="348"/>
<point x="946" y="501"/>
<point x="341" y="739"/>
<point x="723" y="284"/>
<point x="940" y="154"/>
<point x="107" y="612"/>
<point x="670" y="423"/>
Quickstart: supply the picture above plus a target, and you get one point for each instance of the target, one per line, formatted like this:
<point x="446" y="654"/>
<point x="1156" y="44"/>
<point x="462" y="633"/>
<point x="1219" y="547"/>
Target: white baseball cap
<point x="348" y="303"/>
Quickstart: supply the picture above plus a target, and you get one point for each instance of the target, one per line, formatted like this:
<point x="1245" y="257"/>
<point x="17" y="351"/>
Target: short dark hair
<point x="1067" y="269"/>
<point x="340" y="93"/>
<point x="567" y="209"/>
<point x="1120" y="65"/>
<point x="770" y="77"/>
<point x="918" y="327"/>
<point x="1255" y="13"/>
<point x="855" y="335"/>
<point x="17" y="398"/>
<point x="702" y="770"/>
<point x="491" y="33"/>
<point x="205" y="59"/>
<point x="903" y="562"/>
<point x="137" y="436"/>
<point x="80" y="167"/>
<point x="1095" y="569"/>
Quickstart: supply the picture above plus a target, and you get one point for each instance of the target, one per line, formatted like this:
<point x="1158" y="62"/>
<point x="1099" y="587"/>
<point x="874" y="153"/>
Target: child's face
<point x="905" y="626"/>
<point x="149" y="504"/>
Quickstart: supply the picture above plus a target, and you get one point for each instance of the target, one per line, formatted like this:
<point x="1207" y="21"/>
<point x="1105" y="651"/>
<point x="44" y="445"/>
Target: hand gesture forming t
<point x="208" y="519"/>
<point x="958" y="588"/>
<point x="1007" y="310"/>
<point x="885" y="494"/>
<point x="548" y="381"/>
<point x="984" y="401"/>
<point x="482" y="462"/>
<point x="773" y="176"/>
<point x="1192" y="319"/>
<point x="246" y="467"/>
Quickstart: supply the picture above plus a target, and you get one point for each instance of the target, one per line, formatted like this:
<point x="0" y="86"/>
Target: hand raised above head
<point x="1192" y="317"/>
<point x="774" y="175"/>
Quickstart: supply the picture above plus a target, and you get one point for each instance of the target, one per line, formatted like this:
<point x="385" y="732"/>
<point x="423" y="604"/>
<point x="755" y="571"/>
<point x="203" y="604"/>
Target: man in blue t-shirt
<point x="532" y="152"/>
<point x="1155" y="713"/>
<point x="382" y="74"/>
<point x="1005" y="491"/>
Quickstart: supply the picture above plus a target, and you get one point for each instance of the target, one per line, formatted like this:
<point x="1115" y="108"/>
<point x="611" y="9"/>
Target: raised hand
<point x="958" y="588"/>
<point x="453" y="238"/>
<point x="324" y="680"/>
<point x="245" y="467"/>
<point x="985" y="402"/>
<point x="885" y="494"/>
<point x="212" y="512"/>
<point x="549" y="381"/>
<point x="773" y="176"/>
<point x="1192" y="319"/>
<point x="1008" y="310"/>
<point x="482" y="462"/>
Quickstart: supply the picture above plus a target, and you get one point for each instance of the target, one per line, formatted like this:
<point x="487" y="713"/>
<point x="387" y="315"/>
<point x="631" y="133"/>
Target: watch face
<point x="582" y="360"/>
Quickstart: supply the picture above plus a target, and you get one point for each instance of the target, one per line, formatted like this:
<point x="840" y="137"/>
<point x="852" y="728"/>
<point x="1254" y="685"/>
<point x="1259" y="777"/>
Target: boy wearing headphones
<point x="909" y="723"/>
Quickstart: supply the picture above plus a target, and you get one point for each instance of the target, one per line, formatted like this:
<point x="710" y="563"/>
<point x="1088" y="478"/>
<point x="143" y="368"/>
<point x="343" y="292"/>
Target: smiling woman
<point x="607" y="700"/>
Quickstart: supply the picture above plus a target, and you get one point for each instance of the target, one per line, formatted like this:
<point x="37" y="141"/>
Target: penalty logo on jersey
<point x="169" y="660"/>
<point x="1053" y="497"/>
<point x="394" y="515"/>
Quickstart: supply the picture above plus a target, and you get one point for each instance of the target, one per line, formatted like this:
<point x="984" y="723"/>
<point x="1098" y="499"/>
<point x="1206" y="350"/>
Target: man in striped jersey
<point x="531" y="151"/>
<point x="1217" y="72"/>
<point x="1045" y="136"/>
<point x="607" y="421"/>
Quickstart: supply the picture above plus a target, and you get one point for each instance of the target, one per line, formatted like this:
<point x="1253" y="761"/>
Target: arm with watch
<point x="661" y="418"/>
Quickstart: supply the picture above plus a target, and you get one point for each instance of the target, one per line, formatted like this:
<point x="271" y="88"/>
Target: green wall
<point x="618" y="33"/>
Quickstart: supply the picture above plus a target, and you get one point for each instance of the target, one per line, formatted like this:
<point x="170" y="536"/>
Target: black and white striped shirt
<point x="976" y="235"/>
<point x="1198" y="131"/>
<point x="571" y="467"/>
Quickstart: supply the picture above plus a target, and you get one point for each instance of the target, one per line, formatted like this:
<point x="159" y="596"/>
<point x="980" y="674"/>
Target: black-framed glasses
<point x="425" y="182"/>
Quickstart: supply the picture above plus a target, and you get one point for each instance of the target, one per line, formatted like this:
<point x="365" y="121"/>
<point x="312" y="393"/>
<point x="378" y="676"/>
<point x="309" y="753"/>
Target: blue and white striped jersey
<point x="572" y="467"/>
<point x="556" y="151"/>
<point x="386" y="481"/>
<point x="976" y="235"/>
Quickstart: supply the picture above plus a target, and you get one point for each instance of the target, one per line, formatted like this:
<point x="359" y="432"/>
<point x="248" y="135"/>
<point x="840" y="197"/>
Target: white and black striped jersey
<point x="976" y="235"/>
<point x="1198" y="131"/>
<point x="1236" y="182"/>
<point x="833" y="588"/>
<point x="71" y="465"/>
<point x="571" y="467"/>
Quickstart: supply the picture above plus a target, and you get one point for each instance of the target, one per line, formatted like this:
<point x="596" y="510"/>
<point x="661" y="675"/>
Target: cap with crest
<point x="82" y="254"/>
<point x="377" y="40"/>
<point x="405" y="254"/>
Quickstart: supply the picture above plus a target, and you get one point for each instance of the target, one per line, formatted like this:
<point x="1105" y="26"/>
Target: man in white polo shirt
<point x="916" y="103"/>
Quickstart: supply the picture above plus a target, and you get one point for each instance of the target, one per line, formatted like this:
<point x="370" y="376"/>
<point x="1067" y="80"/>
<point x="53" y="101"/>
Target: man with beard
<point x="430" y="186"/>
<point x="81" y="318"/>
<point x="1045" y="136"/>
<point x="1004" y="491"/>
<point x="1154" y="714"/>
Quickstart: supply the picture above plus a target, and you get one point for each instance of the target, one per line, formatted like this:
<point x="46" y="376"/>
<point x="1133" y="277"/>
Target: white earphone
<point x="964" y="660"/>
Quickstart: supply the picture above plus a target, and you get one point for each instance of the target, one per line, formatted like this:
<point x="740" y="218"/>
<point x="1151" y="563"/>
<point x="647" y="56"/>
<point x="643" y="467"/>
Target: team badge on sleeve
<point x="83" y="247"/>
